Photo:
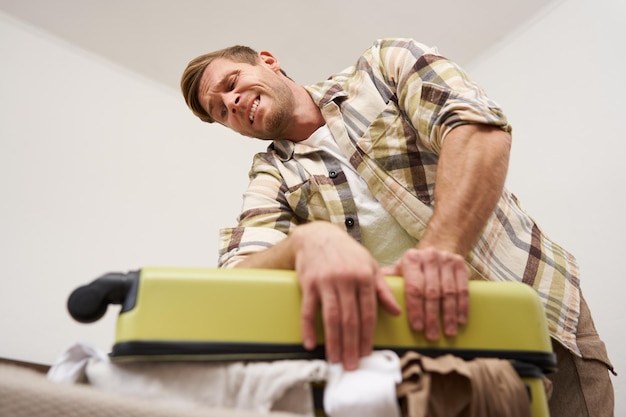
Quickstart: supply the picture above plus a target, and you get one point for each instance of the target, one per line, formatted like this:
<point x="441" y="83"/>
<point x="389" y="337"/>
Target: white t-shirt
<point x="380" y="232"/>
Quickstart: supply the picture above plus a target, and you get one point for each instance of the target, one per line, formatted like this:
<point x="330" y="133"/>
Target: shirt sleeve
<point x="265" y="219"/>
<point x="435" y="93"/>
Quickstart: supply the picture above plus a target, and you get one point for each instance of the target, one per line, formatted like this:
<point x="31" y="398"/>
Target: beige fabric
<point x="583" y="386"/>
<point x="26" y="393"/>
<point x="480" y="388"/>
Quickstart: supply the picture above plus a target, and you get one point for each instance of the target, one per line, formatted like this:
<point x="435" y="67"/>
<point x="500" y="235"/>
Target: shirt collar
<point x="322" y="94"/>
<point x="286" y="149"/>
<point x="326" y="91"/>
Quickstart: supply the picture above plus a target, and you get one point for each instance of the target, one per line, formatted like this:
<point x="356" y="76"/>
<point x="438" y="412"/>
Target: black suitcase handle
<point x="88" y="303"/>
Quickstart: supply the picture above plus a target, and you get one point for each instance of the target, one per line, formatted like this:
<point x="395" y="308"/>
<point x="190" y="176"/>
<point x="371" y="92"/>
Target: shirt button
<point x="349" y="221"/>
<point x="332" y="174"/>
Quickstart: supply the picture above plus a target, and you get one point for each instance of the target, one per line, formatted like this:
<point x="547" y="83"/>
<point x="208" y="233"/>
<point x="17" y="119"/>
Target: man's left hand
<point x="435" y="281"/>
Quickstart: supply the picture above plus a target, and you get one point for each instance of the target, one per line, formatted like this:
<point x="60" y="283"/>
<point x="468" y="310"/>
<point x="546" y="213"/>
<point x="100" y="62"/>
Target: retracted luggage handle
<point x="89" y="303"/>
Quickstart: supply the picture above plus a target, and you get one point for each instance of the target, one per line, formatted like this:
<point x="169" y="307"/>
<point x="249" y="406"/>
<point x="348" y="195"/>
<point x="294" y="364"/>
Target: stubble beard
<point x="278" y="121"/>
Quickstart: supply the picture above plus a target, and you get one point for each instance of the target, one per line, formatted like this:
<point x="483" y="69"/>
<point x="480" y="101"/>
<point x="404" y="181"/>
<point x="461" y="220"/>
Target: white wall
<point x="100" y="170"/>
<point x="562" y="82"/>
<point x="103" y="170"/>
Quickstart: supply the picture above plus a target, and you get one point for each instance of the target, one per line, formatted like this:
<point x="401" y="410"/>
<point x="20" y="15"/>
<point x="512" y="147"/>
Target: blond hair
<point x="190" y="81"/>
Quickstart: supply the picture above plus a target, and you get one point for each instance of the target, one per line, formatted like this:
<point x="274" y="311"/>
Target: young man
<point x="395" y="165"/>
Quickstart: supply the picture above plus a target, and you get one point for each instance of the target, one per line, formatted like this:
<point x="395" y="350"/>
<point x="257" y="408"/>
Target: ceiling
<point x="312" y="39"/>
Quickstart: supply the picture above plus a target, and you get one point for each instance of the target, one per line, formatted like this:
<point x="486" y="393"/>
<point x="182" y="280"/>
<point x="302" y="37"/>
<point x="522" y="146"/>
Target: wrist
<point x="444" y="242"/>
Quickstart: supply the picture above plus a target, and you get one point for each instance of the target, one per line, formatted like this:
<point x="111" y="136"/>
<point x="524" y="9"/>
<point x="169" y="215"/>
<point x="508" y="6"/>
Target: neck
<point x="307" y="117"/>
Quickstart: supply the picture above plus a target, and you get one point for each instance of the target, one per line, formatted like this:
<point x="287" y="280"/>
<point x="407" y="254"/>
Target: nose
<point x="232" y="102"/>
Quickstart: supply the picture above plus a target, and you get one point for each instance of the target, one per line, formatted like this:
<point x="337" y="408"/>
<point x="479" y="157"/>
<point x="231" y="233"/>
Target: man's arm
<point x="470" y="178"/>
<point x="339" y="274"/>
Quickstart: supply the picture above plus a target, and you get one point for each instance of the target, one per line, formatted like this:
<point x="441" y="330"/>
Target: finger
<point x="367" y="302"/>
<point x="349" y="332"/>
<point x="386" y="297"/>
<point x="432" y="295"/>
<point x="331" y="317"/>
<point x="449" y="295"/>
<point x="461" y="275"/>
<point x="310" y="303"/>
<point x="411" y="270"/>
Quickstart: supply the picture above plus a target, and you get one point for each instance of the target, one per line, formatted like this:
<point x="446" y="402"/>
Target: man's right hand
<point x="340" y="275"/>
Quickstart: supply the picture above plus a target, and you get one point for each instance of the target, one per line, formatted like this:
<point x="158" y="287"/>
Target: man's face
<point x="253" y="100"/>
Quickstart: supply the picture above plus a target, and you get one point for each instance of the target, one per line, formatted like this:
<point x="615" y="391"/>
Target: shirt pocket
<point x="307" y="201"/>
<point x="392" y="142"/>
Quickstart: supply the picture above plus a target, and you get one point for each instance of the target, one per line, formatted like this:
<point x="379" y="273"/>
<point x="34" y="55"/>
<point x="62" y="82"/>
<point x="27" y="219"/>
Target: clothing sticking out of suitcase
<point x="242" y="314"/>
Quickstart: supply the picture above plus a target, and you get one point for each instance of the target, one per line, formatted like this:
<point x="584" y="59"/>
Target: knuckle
<point x="360" y="281"/>
<point x="462" y="292"/>
<point x="308" y="315"/>
<point x="306" y="287"/>
<point x="413" y="291"/>
<point x="433" y="293"/>
<point x="448" y="288"/>
<point x="350" y="277"/>
<point x="331" y="315"/>
<point x="430" y="255"/>
<point x="341" y="270"/>
<point x="350" y="322"/>
<point x="411" y="255"/>
<point x="431" y="321"/>
<point x="450" y="323"/>
<point x="449" y="291"/>
<point x="415" y="316"/>
<point x="308" y="281"/>
<point x="364" y="278"/>
<point x="368" y="318"/>
<point x="447" y="259"/>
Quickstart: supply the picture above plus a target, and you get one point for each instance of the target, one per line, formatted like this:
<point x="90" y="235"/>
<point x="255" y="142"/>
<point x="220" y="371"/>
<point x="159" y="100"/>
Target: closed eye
<point x="233" y="80"/>
<point x="226" y="85"/>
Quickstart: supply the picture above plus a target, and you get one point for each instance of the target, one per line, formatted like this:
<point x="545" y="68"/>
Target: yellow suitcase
<point x="244" y="314"/>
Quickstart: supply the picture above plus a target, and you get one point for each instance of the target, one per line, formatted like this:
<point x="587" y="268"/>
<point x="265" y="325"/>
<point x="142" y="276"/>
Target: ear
<point x="269" y="60"/>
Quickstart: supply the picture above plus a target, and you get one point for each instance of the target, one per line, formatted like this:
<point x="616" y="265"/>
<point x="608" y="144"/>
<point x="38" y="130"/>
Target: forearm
<point x="304" y="240"/>
<point x="470" y="178"/>
<point x="279" y="256"/>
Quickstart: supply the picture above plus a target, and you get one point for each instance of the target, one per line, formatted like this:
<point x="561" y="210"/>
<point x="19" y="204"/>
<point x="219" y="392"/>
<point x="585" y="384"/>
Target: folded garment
<point x="481" y="387"/>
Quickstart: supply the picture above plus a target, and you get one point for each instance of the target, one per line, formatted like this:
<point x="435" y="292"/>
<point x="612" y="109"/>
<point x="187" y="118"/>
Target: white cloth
<point x="369" y="391"/>
<point x="260" y="386"/>
<point x="71" y="364"/>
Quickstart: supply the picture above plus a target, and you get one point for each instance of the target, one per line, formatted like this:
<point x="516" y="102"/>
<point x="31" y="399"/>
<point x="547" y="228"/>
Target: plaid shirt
<point x="389" y="114"/>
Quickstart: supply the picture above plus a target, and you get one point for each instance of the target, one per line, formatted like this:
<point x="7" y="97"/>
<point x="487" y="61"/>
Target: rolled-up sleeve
<point x="435" y="93"/>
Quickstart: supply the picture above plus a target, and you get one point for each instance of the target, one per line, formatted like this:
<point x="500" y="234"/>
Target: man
<point x="393" y="166"/>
